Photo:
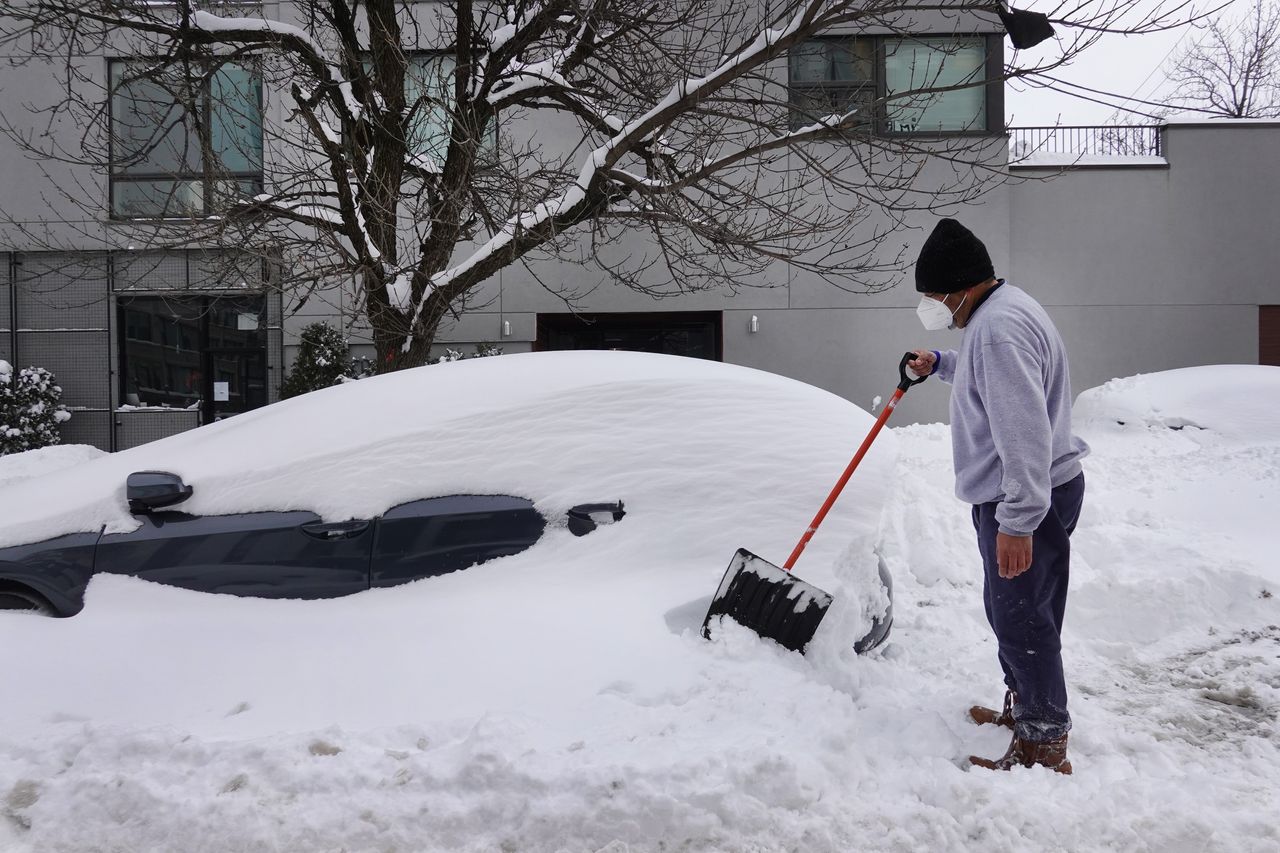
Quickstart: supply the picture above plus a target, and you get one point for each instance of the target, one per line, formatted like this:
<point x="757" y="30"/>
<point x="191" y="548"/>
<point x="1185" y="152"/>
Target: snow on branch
<point x="230" y="30"/>
<point x="211" y="23"/>
<point x="763" y="47"/>
<point x="515" y="78"/>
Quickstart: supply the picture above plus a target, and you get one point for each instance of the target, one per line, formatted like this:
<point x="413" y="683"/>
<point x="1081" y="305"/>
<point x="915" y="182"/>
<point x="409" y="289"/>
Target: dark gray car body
<point x="280" y="554"/>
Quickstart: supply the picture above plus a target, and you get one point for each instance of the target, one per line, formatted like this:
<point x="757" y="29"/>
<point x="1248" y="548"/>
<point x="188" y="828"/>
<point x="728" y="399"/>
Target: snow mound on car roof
<point x="1233" y="400"/>
<point x="705" y="451"/>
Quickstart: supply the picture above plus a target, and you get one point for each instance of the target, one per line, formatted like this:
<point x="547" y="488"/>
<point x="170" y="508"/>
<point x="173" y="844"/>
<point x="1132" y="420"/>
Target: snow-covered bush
<point x="324" y="359"/>
<point x="30" y="409"/>
<point x="483" y="350"/>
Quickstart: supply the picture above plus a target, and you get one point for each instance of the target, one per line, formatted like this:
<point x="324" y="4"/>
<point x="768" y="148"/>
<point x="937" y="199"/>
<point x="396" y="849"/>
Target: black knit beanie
<point x="952" y="259"/>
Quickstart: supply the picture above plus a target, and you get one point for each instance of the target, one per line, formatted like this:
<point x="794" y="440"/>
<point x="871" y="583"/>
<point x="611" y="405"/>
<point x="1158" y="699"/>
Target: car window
<point x="435" y="536"/>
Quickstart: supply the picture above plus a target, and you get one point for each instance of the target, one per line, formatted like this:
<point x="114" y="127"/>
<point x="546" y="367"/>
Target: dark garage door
<point x="1269" y="335"/>
<point x="690" y="333"/>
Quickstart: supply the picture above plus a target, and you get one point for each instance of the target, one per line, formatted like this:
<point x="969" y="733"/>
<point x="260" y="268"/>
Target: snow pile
<point x="561" y="699"/>
<point x="1239" y="401"/>
<point x="15" y="467"/>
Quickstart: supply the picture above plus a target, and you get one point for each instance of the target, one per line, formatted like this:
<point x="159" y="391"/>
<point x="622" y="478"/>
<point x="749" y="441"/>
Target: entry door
<point x="1269" y="334"/>
<point x="237" y="382"/>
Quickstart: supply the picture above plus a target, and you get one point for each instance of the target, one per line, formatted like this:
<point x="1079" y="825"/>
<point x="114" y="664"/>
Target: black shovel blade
<point x="771" y="601"/>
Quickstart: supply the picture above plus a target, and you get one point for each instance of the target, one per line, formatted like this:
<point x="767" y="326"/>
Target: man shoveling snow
<point x="1018" y="464"/>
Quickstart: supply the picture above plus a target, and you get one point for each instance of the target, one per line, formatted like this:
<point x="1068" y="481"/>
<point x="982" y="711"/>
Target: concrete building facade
<point x="1145" y="262"/>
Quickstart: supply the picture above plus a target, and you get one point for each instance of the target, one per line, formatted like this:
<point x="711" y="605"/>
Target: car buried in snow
<point x="424" y="473"/>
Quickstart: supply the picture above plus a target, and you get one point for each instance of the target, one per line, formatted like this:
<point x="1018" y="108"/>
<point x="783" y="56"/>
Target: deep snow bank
<point x="1235" y="400"/>
<point x="560" y="701"/>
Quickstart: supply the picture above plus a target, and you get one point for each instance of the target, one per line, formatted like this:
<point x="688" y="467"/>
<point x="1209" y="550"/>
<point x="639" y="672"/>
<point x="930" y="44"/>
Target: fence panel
<point x="62" y="322"/>
<point x="1118" y="141"/>
<point x="143" y="425"/>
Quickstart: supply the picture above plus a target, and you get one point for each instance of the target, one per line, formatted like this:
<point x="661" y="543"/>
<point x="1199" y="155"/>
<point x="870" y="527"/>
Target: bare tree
<point x="1233" y="68"/>
<point x="423" y="147"/>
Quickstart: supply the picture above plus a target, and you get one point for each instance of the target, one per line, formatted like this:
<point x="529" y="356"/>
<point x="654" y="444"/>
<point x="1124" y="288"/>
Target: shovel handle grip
<point x="905" y="382"/>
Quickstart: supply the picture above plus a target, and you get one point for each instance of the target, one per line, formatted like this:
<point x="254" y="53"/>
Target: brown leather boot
<point x="985" y="716"/>
<point x="1028" y="753"/>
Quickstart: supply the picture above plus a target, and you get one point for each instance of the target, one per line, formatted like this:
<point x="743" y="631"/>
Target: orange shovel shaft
<point x="844" y="478"/>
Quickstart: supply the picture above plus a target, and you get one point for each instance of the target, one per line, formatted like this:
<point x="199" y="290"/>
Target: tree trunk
<point x="391" y="327"/>
<point x="392" y="353"/>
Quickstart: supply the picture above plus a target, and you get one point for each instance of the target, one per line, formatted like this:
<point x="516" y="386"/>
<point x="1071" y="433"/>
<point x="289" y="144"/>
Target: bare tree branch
<point x="1232" y="68"/>
<point x="425" y="147"/>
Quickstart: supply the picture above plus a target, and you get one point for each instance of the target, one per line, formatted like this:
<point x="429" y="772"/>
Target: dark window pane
<point x="809" y="62"/>
<point x="693" y="334"/>
<point x="832" y="76"/>
<point x="238" y="323"/>
<point x="852" y="60"/>
<point x="831" y="60"/>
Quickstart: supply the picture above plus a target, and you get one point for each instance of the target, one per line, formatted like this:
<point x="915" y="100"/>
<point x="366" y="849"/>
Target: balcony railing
<point x="1113" y="141"/>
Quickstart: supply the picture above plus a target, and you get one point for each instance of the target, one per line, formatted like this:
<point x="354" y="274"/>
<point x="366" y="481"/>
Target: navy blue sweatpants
<point x="1026" y="613"/>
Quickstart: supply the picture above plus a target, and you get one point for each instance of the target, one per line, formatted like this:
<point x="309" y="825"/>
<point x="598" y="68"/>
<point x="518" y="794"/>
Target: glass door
<point x="205" y="353"/>
<point x="239" y="382"/>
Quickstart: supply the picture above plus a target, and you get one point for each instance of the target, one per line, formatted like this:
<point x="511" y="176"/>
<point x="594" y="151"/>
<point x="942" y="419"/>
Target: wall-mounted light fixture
<point x="754" y="325"/>
<point x="506" y="328"/>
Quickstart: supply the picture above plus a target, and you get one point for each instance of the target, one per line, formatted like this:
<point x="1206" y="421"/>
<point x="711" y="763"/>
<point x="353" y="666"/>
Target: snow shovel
<point x="771" y="601"/>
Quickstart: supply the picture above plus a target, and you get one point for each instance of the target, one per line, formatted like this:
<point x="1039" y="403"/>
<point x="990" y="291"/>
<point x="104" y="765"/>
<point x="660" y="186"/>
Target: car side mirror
<point x="584" y="518"/>
<point x="149" y="490"/>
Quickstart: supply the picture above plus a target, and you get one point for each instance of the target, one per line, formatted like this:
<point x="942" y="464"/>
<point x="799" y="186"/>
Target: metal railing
<point x="1134" y="140"/>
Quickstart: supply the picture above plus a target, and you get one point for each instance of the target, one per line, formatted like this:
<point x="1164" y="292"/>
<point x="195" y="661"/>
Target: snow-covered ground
<point x="561" y="699"/>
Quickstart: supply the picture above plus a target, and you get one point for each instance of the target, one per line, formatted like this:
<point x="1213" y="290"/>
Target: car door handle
<point x="338" y="530"/>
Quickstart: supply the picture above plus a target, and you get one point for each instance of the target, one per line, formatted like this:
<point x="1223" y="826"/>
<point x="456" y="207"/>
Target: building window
<point x="194" y="352"/>
<point x="184" y="142"/>
<point x="831" y="76"/>
<point x="916" y="64"/>
<point x="429" y="78"/>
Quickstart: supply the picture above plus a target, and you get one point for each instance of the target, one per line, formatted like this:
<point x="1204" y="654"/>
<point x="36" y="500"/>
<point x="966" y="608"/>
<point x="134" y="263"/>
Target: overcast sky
<point x="1130" y="66"/>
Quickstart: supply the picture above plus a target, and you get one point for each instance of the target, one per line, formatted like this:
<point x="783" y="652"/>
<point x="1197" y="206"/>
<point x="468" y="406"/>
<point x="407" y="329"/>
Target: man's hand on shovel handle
<point x="922" y="364"/>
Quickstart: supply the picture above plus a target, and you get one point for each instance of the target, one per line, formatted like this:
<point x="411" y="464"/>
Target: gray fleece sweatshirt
<point x="1011" y="410"/>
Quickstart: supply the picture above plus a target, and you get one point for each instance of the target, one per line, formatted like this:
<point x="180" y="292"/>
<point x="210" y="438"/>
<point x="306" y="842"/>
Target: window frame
<point x="206" y="177"/>
<point x="993" y="87"/>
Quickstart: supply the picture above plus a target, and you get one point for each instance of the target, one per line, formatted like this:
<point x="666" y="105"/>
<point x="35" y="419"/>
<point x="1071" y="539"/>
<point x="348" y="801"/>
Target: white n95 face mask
<point x="935" y="315"/>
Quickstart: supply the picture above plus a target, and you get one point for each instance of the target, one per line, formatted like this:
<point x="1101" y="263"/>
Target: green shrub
<point x="324" y="360"/>
<point x="30" y="409"/>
